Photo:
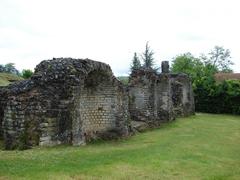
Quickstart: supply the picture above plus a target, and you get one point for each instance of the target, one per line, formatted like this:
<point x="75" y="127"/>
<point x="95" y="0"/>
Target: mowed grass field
<point x="203" y="146"/>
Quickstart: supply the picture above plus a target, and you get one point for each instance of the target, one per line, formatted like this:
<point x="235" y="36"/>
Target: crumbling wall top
<point x="62" y="69"/>
<point x="165" y="67"/>
<point x="143" y="75"/>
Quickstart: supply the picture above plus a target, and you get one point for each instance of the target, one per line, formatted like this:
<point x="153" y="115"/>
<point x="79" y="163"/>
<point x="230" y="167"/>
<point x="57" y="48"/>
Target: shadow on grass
<point x="97" y="142"/>
<point x="1" y="145"/>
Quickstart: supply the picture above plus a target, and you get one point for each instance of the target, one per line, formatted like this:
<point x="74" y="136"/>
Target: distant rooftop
<point x="227" y="76"/>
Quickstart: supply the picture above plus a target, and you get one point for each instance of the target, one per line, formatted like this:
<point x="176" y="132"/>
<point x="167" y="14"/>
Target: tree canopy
<point x="136" y="64"/>
<point x="221" y="97"/>
<point x="147" y="57"/>
<point x="27" y="73"/>
<point x="9" y="68"/>
<point x="187" y="63"/>
<point x="220" y="58"/>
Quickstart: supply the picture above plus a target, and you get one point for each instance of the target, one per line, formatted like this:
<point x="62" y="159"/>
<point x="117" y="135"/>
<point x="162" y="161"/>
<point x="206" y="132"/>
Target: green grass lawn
<point x="199" y="147"/>
<point x="7" y="78"/>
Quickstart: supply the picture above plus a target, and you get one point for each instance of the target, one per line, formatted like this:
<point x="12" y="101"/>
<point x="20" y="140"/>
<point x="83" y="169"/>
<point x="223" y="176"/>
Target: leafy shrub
<point x="27" y="73"/>
<point x="223" y="97"/>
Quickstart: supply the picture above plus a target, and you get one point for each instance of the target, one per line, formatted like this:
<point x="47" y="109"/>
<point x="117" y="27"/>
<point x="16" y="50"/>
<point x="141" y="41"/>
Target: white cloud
<point x="111" y="31"/>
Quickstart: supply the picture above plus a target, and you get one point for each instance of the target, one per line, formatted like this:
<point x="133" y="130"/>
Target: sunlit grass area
<point x="7" y="78"/>
<point x="203" y="146"/>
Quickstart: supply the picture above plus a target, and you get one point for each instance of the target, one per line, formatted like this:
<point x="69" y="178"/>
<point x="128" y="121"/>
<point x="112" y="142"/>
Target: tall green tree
<point x="188" y="64"/>
<point x="147" y="57"/>
<point x="221" y="97"/>
<point x="220" y="58"/>
<point x="201" y="74"/>
<point x="136" y="64"/>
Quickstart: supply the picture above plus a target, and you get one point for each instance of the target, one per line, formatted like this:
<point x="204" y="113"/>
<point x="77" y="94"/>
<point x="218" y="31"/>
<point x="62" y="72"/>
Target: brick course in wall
<point x="67" y="101"/>
<point x="73" y="101"/>
<point x="156" y="98"/>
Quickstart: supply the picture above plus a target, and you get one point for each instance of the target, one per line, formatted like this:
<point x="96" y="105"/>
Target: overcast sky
<point x="112" y="30"/>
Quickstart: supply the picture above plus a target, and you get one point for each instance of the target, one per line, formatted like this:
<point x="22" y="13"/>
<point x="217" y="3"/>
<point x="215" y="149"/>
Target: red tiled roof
<point x="227" y="76"/>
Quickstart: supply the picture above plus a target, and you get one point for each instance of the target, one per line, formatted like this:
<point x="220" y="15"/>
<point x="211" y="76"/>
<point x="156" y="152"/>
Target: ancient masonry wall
<point x="101" y="106"/>
<point x="67" y="101"/>
<point x="141" y="96"/>
<point x="3" y="102"/>
<point x="149" y="96"/>
<point x="182" y="95"/>
<point x="156" y="98"/>
<point x="73" y="101"/>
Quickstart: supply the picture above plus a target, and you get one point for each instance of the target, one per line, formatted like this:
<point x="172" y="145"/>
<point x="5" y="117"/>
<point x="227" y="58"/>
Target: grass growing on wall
<point x="199" y="147"/>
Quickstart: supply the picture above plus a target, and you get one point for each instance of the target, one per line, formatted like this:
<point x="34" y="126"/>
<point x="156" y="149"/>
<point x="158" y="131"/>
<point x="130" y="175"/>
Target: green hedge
<point x="223" y="97"/>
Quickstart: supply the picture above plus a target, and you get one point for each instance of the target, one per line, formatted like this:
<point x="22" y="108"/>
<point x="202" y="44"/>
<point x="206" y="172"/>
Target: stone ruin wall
<point x="156" y="98"/>
<point x="2" y="105"/>
<point x="101" y="105"/>
<point x="149" y="95"/>
<point x="72" y="101"/>
<point x="67" y="101"/>
<point x="182" y="95"/>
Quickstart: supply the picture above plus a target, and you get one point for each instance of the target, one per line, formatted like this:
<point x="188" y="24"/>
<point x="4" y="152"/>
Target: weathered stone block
<point x="63" y="103"/>
<point x="165" y="67"/>
<point x="72" y="101"/>
<point x="156" y="98"/>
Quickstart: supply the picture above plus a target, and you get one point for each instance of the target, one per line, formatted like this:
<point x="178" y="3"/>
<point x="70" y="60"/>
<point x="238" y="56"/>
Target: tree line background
<point x="211" y="96"/>
<point x="10" y="68"/>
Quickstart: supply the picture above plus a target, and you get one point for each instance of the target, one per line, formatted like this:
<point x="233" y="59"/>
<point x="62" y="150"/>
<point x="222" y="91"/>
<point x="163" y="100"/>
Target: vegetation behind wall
<point x="223" y="97"/>
<point x="210" y="95"/>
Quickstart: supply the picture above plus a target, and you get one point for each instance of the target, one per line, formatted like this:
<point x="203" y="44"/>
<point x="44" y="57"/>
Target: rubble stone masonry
<point x="156" y="98"/>
<point x="73" y="101"/>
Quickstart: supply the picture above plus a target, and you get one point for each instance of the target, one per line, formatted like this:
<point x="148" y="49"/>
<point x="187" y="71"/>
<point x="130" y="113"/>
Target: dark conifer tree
<point x="147" y="57"/>
<point x="136" y="64"/>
